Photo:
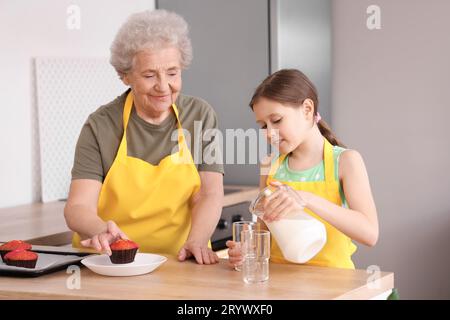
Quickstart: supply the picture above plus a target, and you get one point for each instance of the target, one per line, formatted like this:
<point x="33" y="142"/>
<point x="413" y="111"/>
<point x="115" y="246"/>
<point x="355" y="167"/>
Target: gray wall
<point x="231" y="57"/>
<point x="232" y="40"/>
<point x="391" y="102"/>
<point x="301" y="39"/>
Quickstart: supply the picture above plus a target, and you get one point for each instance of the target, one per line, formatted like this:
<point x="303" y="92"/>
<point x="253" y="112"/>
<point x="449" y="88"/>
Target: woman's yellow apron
<point x="150" y="203"/>
<point x="339" y="248"/>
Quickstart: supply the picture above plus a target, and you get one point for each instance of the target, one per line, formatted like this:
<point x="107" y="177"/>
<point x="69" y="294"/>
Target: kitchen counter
<point x="44" y="224"/>
<point x="188" y="280"/>
<point x="37" y="223"/>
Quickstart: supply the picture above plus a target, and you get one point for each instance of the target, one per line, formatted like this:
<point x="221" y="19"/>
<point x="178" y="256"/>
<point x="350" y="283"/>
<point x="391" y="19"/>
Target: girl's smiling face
<point x="286" y="126"/>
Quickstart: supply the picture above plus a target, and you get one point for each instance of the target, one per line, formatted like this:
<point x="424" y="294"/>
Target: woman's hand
<point x="234" y="253"/>
<point x="201" y="253"/>
<point x="281" y="202"/>
<point x="101" y="241"/>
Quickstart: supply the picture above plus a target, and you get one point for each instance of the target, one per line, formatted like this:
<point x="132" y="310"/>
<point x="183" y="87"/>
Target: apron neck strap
<point x="328" y="161"/>
<point x="276" y="164"/>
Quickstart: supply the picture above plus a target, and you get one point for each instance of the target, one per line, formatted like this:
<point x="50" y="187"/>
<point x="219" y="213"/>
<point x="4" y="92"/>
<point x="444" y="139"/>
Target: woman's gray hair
<point x="150" y="30"/>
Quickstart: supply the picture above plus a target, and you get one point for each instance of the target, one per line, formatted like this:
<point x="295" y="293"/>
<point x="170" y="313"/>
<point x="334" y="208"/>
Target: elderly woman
<point x="133" y="175"/>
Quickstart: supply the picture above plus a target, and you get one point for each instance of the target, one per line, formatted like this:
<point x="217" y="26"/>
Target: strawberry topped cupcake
<point x="21" y="258"/>
<point x="13" y="245"/>
<point x="123" y="251"/>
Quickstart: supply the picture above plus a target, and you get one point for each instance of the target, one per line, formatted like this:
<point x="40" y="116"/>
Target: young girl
<point x="330" y="181"/>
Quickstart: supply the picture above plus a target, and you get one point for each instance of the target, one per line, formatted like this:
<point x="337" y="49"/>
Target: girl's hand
<point x="281" y="202"/>
<point x="234" y="253"/>
<point x="101" y="241"/>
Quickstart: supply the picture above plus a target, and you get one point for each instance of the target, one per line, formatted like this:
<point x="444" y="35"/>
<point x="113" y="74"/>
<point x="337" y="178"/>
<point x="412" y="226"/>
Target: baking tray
<point x="49" y="260"/>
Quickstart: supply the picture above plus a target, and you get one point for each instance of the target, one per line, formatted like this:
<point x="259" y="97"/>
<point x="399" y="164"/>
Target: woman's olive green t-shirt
<point x="102" y="132"/>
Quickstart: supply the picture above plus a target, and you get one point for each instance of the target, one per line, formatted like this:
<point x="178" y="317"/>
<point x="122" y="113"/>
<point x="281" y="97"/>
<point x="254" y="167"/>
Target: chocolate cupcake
<point x="123" y="251"/>
<point x="13" y="245"/>
<point x="21" y="258"/>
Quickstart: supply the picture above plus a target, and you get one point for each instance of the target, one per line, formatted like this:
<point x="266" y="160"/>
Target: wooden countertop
<point x="37" y="223"/>
<point x="44" y="224"/>
<point x="188" y="280"/>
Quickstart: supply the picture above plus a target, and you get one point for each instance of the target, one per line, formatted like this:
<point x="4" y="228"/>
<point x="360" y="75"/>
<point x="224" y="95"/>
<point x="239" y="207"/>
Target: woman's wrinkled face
<point x="286" y="127"/>
<point x="155" y="78"/>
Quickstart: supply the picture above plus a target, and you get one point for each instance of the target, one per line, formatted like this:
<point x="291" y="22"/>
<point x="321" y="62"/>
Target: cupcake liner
<point x="3" y="253"/>
<point x="123" y="256"/>
<point x="30" y="264"/>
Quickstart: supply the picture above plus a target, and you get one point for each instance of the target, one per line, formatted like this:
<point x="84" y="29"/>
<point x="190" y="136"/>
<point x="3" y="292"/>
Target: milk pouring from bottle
<point x="299" y="235"/>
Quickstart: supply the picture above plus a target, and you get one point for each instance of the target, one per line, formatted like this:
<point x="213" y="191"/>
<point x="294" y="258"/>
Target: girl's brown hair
<point x="291" y="87"/>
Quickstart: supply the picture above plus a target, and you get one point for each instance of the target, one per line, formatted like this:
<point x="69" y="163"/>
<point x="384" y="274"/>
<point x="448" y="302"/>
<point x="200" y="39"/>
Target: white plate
<point x="143" y="263"/>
